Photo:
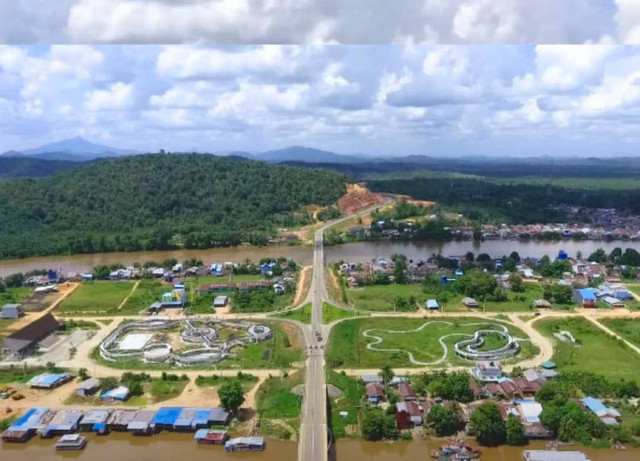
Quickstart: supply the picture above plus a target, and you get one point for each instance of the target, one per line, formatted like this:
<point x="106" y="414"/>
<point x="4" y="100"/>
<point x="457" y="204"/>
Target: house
<point x="609" y="416"/>
<point x="612" y="302"/>
<point x="541" y="304"/>
<point x="432" y="304"/>
<point x="120" y="393"/>
<point x="487" y="370"/>
<point x="88" y="387"/>
<point x="407" y="393"/>
<point x="220" y="301"/>
<point x="408" y="415"/>
<point x="25" y="340"/>
<point x="478" y="392"/>
<point x="528" y="410"/>
<point x="94" y="420"/>
<point x="470" y="302"/>
<point x="366" y="379"/>
<point x="527" y="387"/>
<point x="532" y="375"/>
<point x="11" y="311"/>
<point x="586" y="297"/>
<point x="375" y="392"/>
<point x="49" y="380"/>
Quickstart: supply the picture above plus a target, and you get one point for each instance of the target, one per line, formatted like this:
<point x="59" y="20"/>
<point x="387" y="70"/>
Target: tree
<point x="487" y="424"/>
<point x="387" y="374"/>
<point x="231" y="395"/>
<point x="108" y="383"/>
<point x="514" y="430"/>
<point x="376" y="425"/>
<point x="83" y="374"/>
<point x="599" y="256"/>
<point x="477" y="284"/>
<point x="515" y="257"/>
<point x="444" y="421"/>
<point x="560" y="294"/>
<point x="516" y="282"/>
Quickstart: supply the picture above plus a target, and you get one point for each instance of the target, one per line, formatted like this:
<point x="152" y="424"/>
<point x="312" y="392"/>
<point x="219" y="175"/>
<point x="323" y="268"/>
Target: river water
<point x="178" y="447"/>
<point x="357" y="251"/>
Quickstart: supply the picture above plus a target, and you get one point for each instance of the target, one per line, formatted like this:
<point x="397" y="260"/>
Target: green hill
<point x="156" y="202"/>
<point x="24" y="167"/>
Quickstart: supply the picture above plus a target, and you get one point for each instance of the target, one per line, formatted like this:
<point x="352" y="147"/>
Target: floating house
<point x="95" y="420"/>
<point x="26" y="426"/>
<point x="120" y="419"/>
<point x="211" y="437"/>
<point x="141" y="423"/>
<point x="63" y="422"/>
<point x="245" y="444"/>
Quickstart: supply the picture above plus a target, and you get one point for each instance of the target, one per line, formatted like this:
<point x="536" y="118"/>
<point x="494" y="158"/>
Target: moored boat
<point x="71" y="442"/>
<point x="211" y="437"/>
<point x="245" y="444"/>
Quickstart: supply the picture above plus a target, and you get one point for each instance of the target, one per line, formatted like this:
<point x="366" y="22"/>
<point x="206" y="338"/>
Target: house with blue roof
<point x="609" y="416"/>
<point x="586" y="297"/>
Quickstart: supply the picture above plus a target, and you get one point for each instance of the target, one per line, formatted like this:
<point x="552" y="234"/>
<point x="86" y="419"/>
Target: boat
<point x="456" y="450"/>
<point x="245" y="444"/>
<point x="71" y="442"/>
<point x="211" y="437"/>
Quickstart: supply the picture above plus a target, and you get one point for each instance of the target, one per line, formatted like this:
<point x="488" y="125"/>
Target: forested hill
<point x="155" y="202"/>
<point x="24" y="167"/>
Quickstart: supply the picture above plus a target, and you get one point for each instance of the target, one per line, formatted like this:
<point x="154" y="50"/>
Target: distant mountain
<point x="74" y="149"/>
<point x="304" y="154"/>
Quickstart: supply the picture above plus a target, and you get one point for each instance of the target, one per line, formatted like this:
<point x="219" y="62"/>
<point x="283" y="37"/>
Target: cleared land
<point x="331" y="313"/>
<point x="302" y="314"/>
<point x="350" y="401"/>
<point x="348" y="345"/>
<point x="595" y="350"/>
<point x="96" y="298"/>
<point x="279" y="407"/>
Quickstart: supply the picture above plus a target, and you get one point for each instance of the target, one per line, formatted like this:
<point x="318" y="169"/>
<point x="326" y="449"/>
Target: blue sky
<point x="382" y="99"/>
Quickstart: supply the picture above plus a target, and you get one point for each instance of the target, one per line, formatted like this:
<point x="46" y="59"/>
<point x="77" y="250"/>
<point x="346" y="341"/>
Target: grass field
<point x="14" y="295"/>
<point x="301" y="315"/>
<point x="247" y="381"/>
<point x="155" y="390"/>
<point x="96" y="298"/>
<point x="279" y="352"/>
<point x="347" y="345"/>
<point x="280" y="408"/>
<point x="629" y="329"/>
<point x="331" y="313"/>
<point x="382" y="297"/>
<point x="148" y="292"/>
<point x="595" y="351"/>
<point x="350" y="401"/>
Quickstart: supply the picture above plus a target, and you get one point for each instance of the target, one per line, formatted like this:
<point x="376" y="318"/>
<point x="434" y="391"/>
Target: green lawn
<point x="148" y="292"/>
<point x="382" y="297"/>
<point x="350" y="401"/>
<point x="348" y="346"/>
<point x="302" y="314"/>
<point x="247" y="381"/>
<point x="331" y="313"/>
<point x="155" y="390"/>
<point x="629" y="329"/>
<point x="280" y="408"/>
<point x="14" y="295"/>
<point x="278" y="352"/>
<point x="243" y="278"/>
<point x="595" y="351"/>
<point x="96" y="297"/>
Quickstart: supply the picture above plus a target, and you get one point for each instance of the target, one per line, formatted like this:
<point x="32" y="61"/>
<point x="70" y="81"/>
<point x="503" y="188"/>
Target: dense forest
<point x="157" y="202"/>
<point x="26" y="167"/>
<point x="485" y="200"/>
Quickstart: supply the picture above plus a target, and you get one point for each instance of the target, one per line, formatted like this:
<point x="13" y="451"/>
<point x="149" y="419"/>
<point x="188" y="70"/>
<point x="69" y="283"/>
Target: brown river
<point x="178" y="447"/>
<point x="359" y="251"/>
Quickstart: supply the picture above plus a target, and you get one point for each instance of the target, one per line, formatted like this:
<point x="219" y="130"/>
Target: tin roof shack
<point x="11" y="311"/>
<point x="184" y="420"/>
<point x="609" y="416"/>
<point x="88" y="387"/>
<point x="408" y="415"/>
<point x="586" y="297"/>
<point x="541" y="304"/>
<point x="25" y="340"/>
<point x="219" y="417"/>
<point x="211" y="437"/>
<point x="245" y="444"/>
<point x="120" y="419"/>
<point x="220" y="301"/>
<point x="64" y="422"/>
<point x="117" y="394"/>
<point x="26" y="426"/>
<point x="375" y="392"/>
<point x="49" y="380"/>
<point x="371" y="379"/>
<point x="94" y="420"/>
<point x="406" y="392"/>
<point x="552" y="455"/>
<point x="141" y="423"/>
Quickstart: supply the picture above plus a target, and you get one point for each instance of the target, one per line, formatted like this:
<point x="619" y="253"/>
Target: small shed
<point x="120" y="393"/>
<point x="88" y="387"/>
<point x="432" y="304"/>
<point x="470" y="302"/>
<point x="11" y="311"/>
<point x="541" y="304"/>
<point x="548" y="365"/>
<point x="220" y="301"/>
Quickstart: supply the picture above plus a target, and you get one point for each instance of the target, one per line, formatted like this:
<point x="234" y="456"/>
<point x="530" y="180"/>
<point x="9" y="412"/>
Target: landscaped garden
<point x="406" y="339"/>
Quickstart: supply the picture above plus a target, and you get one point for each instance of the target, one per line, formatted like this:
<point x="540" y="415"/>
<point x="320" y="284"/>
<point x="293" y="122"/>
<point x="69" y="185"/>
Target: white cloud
<point x="118" y="96"/>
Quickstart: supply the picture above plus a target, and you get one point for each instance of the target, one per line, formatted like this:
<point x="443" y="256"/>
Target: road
<point x="313" y="430"/>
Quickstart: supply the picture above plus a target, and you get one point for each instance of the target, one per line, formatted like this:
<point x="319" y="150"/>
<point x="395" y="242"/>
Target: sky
<point x="448" y="100"/>
<point x="320" y="21"/>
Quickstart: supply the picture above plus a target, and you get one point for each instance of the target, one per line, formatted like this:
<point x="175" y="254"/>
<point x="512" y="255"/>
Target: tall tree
<point x="231" y="395"/>
<point x="487" y="424"/>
